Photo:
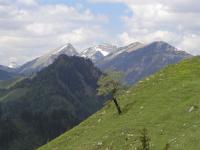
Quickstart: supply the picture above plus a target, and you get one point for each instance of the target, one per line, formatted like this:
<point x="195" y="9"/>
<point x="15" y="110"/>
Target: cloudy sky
<point x="30" y="28"/>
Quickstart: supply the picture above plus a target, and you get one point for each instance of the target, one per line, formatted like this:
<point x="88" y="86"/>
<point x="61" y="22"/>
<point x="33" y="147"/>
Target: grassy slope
<point x="6" y="85"/>
<point x="10" y="82"/>
<point x="160" y="103"/>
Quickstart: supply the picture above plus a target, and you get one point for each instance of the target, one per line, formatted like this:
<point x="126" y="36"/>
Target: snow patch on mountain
<point x="98" y="52"/>
<point x="105" y="53"/>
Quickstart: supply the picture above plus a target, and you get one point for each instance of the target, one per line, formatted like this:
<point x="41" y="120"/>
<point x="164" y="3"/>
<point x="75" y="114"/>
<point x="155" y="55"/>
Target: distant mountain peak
<point x="136" y="43"/>
<point x="67" y="49"/>
<point x="163" y="46"/>
<point x="134" y="46"/>
<point x="98" y="52"/>
<point x="160" y="43"/>
<point x="47" y="59"/>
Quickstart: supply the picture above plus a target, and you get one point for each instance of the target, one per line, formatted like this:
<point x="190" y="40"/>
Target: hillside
<point x="38" y="109"/>
<point x="138" y="61"/>
<point x="5" y="84"/>
<point x="166" y="104"/>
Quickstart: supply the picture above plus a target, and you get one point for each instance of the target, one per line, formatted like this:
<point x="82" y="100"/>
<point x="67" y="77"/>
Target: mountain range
<point x="136" y="60"/>
<point x="37" y="109"/>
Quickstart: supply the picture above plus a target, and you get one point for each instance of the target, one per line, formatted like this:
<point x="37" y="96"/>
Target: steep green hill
<point x="10" y="82"/>
<point x="167" y="104"/>
<point x="38" y="109"/>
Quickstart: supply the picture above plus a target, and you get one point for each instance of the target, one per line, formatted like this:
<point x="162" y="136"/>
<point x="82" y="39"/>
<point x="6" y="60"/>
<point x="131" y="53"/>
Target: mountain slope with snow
<point x="45" y="60"/>
<point x="98" y="52"/>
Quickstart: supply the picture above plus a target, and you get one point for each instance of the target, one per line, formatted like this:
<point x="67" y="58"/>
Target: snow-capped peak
<point x="47" y="59"/>
<point x="105" y="53"/>
<point x="98" y="52"/>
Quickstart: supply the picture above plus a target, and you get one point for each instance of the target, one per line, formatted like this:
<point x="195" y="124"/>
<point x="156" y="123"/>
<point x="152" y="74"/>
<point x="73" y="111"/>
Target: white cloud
<point x="40" y="28"/>
<point x="171" y="21"/>
<point x="146" y="37"/>
<point x="83" y="35"/>
<point x="29" y="29"/>
<point x="176" y="22"/>
<point x="27" y="2"/>
<point x="191" y="43"/>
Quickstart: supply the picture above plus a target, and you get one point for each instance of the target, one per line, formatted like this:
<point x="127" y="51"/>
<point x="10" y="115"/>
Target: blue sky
<point x="30" y="28"/>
